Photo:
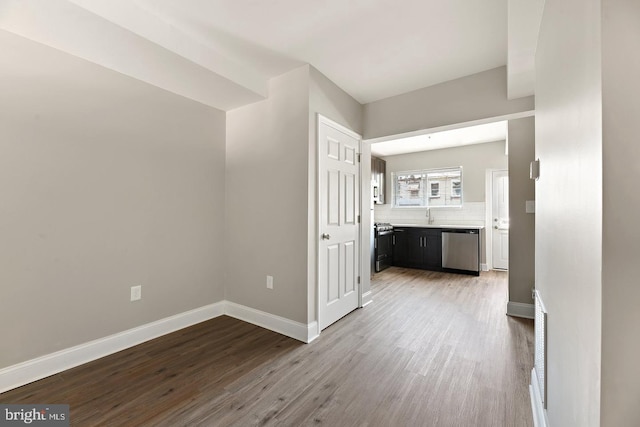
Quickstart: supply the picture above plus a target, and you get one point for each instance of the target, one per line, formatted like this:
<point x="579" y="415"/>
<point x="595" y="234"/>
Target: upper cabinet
<point x="378" y="171"/>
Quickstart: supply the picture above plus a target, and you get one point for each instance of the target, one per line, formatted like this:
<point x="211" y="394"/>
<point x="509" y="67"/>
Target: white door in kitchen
<point x="500" y="220"/>
<point x="339" y="225"/>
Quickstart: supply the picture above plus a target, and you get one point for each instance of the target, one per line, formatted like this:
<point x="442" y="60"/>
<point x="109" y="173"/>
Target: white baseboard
<point x="518" y="309"/>
<point x="539" y="413"/>
<point x="284" y="326"/>
<point x="35" y="369"/>
<point x="50" y="364"/>
<point x="367" y="298"/>
<point x="484" y="267"/>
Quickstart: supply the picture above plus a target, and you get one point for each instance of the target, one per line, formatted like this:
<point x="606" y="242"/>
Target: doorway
<point x="339" y="222"/>
<point x="500" y="219"/>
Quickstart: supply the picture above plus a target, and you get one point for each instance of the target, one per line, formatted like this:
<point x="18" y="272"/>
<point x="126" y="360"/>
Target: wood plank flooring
<point x="433" y="349"/>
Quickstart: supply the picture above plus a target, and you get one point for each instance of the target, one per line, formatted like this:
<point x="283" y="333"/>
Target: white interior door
<point x="500" y="220"/>
<point x="339" y="231"/>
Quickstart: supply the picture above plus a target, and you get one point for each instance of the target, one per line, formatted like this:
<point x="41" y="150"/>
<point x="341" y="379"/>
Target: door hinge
<point x="358" y="280"/>
<point x="358" y="219"/>
<point x="358" y="157"/>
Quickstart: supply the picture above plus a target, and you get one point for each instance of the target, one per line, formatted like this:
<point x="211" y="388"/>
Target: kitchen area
<point x="431" y="207"/>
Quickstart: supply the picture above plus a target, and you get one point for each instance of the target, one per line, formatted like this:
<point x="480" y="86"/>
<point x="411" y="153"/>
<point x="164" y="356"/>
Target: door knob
<point x="495" y="219"/>
<point x="496" y="227"/>
<point x="325" y="236"/>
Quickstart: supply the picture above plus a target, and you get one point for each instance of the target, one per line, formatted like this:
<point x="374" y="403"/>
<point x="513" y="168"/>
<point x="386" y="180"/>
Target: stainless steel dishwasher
<point x="461" y="250"/>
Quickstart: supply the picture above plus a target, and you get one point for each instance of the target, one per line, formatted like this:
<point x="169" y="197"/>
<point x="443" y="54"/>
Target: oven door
<point x="384" y="250"/>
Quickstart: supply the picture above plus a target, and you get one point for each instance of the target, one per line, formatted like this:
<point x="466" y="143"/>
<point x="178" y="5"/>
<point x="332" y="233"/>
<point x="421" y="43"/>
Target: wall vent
<point x="541" y="348"/>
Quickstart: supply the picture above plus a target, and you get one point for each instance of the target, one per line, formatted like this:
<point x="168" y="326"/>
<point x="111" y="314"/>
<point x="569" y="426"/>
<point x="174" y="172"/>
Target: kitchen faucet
<point x="429" y="219"/>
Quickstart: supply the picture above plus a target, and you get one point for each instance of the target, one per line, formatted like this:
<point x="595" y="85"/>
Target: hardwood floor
<point x="433" y="349"/>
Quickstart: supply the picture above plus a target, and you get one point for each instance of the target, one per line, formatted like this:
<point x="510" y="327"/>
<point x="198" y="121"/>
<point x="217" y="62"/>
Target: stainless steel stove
<point x="383" y="245"/>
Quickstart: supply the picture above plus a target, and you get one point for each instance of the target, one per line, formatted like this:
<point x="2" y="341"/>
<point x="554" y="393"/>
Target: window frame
<point x="423" y="174"/>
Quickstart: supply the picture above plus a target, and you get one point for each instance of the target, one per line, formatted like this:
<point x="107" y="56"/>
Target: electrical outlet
<point x="269" y="282"/>
<point x="136" y="293"/>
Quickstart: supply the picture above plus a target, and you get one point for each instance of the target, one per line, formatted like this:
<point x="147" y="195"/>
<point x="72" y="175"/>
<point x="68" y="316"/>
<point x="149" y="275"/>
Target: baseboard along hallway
<point x="432" y="349"/>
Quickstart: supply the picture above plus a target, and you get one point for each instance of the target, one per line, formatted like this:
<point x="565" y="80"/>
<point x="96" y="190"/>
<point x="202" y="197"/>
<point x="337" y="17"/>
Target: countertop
<point x="457" y="226"/>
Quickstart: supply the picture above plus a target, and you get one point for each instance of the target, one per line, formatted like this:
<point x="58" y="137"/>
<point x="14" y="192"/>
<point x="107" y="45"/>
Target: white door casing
<point x="339" y="228"/>
<point x="500" y="220"/>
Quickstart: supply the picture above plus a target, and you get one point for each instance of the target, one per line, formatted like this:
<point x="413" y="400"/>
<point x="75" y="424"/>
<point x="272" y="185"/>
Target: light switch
<point x="530" y="206"/>
<point x="534" y="169"/>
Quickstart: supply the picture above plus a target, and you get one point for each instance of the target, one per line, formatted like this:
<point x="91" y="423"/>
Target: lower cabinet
<point x="418" y="248"/>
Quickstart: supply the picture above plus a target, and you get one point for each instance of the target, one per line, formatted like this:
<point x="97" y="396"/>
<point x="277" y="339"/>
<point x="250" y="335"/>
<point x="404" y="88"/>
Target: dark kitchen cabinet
<point x="433" y="250"/>
<point x="418" y="248"/>
<point x="378" y="173"/>
<point x="400" y="247"/>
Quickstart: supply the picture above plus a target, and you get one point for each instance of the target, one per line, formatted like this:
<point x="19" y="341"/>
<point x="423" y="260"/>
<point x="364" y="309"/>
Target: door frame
<point x="489" y="215"/>
<point x="320" y="119"/>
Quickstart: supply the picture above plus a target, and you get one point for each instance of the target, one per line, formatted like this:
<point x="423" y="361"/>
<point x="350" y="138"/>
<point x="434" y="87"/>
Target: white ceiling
<point x="223" y="52"/>
<point x="478" y="134"/>
<point x="372" y="49"/>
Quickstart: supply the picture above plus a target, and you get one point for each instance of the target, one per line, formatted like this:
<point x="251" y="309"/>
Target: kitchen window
<point x="427" y="188"/>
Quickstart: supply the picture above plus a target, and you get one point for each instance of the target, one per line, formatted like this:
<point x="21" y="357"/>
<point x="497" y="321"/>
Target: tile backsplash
<point x="471" y="213"/>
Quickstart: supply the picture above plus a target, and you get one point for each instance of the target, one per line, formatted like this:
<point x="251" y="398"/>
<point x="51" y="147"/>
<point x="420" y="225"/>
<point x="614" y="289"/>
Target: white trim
<point x="50" y="364"/>
<point x="41" y="367"/>
<point x="327" y="121"/>
<point x="367" y="298"/>
<point x="539" y="413"/>
<point x="366" y="224"/>
<point x="488" y="209"/>
<point x="519" y="309"/>
<point x="484" y="267"/>
<point x="281" y="325"/>
<point x="312" y="332"/>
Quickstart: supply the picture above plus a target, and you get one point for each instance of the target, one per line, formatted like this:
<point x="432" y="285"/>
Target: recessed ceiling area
<point x="478" y="134"/>
<point x="224" y="52"/>
<point x="372" y="49"/>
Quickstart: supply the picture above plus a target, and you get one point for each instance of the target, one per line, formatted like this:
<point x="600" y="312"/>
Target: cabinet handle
<point x="394" y="240"/>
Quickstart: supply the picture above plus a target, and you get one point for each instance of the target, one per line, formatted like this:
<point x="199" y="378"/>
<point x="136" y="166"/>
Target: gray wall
<point x="266" y="224"/>
<point x="621" y="198"/>
<point x="273" y="231"/>
<point x="521" y="224"/>
<point x="479" y="96"/>
<point x="569" y="206"/>
<point x="106" y="183"/>
<point x="474" y="159"/>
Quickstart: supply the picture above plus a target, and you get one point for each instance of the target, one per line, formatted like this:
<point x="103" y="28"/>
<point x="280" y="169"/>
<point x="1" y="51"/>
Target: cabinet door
<point x="400" y="247"/>
<point x="382" y="170"/>
<point x="416" y="242"/>
<point x="375" y="180"/>
<point x="378" y="170"/>
<point x="433" y="250"/>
